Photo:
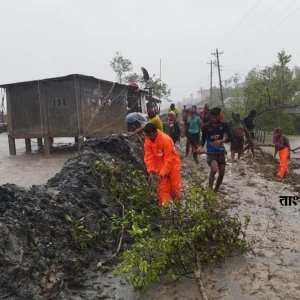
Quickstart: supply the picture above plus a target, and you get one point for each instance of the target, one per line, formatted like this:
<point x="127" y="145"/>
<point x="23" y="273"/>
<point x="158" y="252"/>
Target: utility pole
<point x="201" y="94"/>
<point x="211" y="72"/>
<point x="160" y="77"/>
<point x="220" y="80"/>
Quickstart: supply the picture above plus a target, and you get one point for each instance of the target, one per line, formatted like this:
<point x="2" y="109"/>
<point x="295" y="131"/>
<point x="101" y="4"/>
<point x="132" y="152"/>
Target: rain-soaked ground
<point x="271" y="271"/>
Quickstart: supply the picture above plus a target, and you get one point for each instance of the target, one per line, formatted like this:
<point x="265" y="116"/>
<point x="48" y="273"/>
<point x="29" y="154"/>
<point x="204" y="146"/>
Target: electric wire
<point x="245" y="16"/>
<point x="273" y="28"/>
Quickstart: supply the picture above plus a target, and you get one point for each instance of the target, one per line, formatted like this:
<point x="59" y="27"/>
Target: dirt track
<point x="272" y="271"/>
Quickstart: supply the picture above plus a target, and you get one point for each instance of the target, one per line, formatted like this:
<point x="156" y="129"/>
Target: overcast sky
<point x="49" y="38"/>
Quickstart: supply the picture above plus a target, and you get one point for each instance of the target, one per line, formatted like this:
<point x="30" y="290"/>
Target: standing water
<point x="26" y="169"/>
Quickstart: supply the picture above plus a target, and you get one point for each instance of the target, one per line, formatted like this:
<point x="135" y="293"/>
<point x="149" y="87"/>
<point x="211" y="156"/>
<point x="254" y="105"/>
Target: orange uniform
<point x="163" y="160"/>
<point x="284" y="161"/>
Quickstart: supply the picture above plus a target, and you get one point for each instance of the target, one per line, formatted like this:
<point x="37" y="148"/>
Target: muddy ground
<point x="38" y="258"/>
<point x="39" y="261"/>
<point x="272" y="270"/>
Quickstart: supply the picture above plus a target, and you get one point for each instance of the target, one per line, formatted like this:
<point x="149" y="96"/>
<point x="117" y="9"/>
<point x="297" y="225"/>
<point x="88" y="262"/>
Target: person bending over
<point x="162" y="161"/>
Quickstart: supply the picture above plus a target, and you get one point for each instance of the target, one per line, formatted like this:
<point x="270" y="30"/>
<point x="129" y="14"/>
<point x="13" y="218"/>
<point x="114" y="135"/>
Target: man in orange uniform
<point x="163" y="161"/>
<point x="282" y="146"/>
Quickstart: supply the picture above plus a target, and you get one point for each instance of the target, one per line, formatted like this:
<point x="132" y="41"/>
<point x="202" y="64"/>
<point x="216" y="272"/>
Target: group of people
<point x="163" y="161"/>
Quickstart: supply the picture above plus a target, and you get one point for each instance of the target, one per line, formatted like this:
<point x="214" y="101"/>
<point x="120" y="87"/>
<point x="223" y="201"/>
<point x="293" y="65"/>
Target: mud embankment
<point x="38" y="258"/>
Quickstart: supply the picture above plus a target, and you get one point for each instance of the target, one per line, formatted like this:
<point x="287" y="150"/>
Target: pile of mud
<point x="38" y="257"/>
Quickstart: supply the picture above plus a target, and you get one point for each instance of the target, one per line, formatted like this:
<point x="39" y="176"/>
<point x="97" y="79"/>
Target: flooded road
<point x="271" y="271"/>
<point x="28" y="169"/>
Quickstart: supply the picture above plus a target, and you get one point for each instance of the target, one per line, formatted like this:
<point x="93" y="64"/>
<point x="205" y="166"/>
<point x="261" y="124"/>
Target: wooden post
<point x="40" y="143"/>
<point x="47" y="146"/>
<point x="28" y="145"/>
<point x="12" y="145"/>
<point x="260" y="135"/>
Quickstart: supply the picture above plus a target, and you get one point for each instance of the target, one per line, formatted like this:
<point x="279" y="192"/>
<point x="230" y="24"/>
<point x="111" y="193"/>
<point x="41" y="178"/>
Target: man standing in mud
<point x="248" y="121"/>
<point x="162" y="161"/>
<point x="214" y="134"/>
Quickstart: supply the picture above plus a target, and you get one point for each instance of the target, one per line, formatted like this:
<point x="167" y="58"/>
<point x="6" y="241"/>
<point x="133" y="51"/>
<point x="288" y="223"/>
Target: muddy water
<point x="272" y="271"/>
<point x="27" y="169"/>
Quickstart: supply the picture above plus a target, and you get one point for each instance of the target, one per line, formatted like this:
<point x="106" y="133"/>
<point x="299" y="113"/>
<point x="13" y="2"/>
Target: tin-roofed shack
<point x="70" y="106"/>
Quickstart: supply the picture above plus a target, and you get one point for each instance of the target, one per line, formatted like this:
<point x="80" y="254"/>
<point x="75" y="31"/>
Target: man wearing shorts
<point x="214" y="134"/>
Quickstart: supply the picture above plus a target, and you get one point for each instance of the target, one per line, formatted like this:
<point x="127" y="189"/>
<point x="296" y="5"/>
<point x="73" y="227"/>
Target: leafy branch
<point x="186" y="237"/>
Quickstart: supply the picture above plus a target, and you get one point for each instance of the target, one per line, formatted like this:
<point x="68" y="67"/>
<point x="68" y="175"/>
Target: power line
<point x="216" y="54"/>
<point x="271" y="8"/>
<point x="282" y="11"/>
<point x="250" y="46"/>
<point x="272" y="29"/>
<point x="248" y="13"/>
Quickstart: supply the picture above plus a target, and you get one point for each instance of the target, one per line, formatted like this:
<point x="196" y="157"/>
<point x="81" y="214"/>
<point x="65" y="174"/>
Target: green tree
<point x="123" y="67"/>
<point x="269" y="91"/>
<point x="233" y="88"/>
<point x="133" y="78"/>
<point x="159" y="88"/>
<point x="120" y="65"/>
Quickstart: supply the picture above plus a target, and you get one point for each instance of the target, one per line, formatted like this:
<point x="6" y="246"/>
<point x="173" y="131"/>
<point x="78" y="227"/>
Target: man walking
<point x="238" y="131"/>
<point x="194" y="125"/>
<point x="174" y="109"/>
<point x="162" y="161"/>
<point x="248" y="121"/>
<point x="214" y="134"/>
<point x="205" y="114"/>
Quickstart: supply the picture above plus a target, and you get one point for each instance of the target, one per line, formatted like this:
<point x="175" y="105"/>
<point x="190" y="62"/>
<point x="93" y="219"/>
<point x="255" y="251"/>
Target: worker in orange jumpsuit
<point x="163" y="161"/>
<point x="282" y="146"/>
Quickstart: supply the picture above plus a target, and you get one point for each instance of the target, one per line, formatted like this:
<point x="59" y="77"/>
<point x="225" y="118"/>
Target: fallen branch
<point x="264" y="145"/>
<point x="271" y="107"/>
<point x="122" y="230"/>
<point x="119" y="243"/>
<point x="212" y="153"/>
<point x="198" y="274"/>
<point x="271" y="145"/>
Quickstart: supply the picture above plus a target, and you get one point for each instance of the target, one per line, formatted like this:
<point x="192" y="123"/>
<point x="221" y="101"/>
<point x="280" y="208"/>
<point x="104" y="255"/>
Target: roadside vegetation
<point x="269" y="91"/>
<point x="177" y="240"/>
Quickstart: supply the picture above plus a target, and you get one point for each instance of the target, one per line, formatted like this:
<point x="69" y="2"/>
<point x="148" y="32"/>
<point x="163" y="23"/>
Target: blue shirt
<point x="194" y="124"/>
<point x="211" y="133"/>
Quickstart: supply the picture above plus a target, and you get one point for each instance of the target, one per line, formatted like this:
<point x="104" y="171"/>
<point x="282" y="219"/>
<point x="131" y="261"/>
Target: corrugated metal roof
<point x="55" y="79"/>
